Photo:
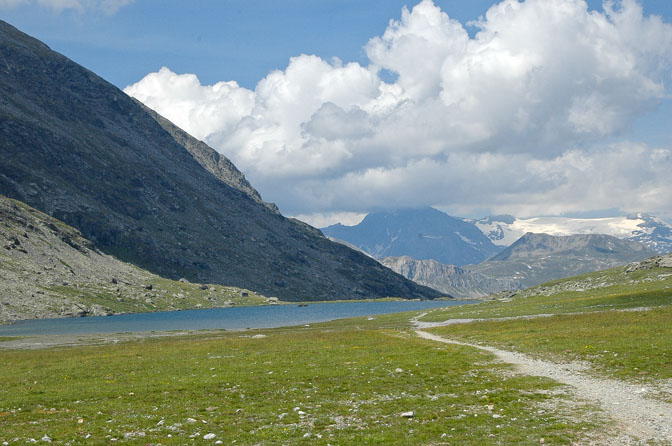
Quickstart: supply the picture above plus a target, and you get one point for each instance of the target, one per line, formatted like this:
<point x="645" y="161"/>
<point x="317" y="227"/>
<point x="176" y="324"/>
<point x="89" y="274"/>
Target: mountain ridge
<point x="82" y="151"/>
<point x="48" y="269"/>
<point x="651" y="231"/>
<point x="537" y="258"/>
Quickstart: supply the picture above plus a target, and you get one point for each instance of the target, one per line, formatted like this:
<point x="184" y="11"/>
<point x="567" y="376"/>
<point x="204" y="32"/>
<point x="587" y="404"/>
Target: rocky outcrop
<point x="82" y="151"/>
<point x="48" y="269"/>
<point x="449" y="279"/>
<point x="654" y="262"/>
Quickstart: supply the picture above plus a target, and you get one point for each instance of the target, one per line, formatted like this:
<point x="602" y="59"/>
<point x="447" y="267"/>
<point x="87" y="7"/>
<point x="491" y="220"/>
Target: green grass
<point x="624" y="345"/>
<point x="345" y="382"/>
<point x="348" y="381"/>
<point x="633" y="290"/>
<point x="165" y="295"/>
<point x="10" y="338"/>
<point x="633" y="345"/>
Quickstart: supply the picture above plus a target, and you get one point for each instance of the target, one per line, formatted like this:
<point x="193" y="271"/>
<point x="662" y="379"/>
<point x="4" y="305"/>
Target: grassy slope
<point x="635" y="345"/>
<point x="604" y="290"/>
<point x="345" y="382"/>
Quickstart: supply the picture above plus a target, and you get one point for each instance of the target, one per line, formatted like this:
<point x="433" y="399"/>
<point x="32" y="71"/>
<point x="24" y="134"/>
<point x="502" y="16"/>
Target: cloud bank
<point x="526" y="117"/>
<point x="106" y="6"/>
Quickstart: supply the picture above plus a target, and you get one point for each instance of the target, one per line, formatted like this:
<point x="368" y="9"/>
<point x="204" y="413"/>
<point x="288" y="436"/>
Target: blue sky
<point x="243" y="41"/>
<point x="238" y="40"/>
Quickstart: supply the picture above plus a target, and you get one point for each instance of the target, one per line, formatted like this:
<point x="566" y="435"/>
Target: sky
<point x="335" y="108"/>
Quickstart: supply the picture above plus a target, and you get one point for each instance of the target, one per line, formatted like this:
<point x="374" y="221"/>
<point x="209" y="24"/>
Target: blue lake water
<point x="217" y="318"/>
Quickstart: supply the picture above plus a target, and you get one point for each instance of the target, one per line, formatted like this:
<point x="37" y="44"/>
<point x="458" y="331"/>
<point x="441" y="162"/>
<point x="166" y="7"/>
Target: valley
<point x="367" y="379"/>
<point x="117" y="218"/>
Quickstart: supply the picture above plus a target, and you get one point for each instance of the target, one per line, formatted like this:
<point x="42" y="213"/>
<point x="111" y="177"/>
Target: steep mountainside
<point x="450" y="279"/>
<point x="419" y="233"/>
<point x="651" y="231"/>
<point x="80" y="150"/>
<point x="48" y="269"/>
<point x="537" y="258"/>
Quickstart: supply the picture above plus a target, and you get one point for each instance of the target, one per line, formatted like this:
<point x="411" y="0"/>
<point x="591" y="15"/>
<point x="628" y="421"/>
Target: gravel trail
<point x="639" y="417"/>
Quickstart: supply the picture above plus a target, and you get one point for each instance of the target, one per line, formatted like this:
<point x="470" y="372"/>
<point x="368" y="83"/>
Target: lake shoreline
<point x="230" y="318"/>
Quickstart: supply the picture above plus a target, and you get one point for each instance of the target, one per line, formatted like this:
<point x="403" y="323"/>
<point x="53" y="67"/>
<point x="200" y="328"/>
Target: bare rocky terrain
<point x="48" y="269"/>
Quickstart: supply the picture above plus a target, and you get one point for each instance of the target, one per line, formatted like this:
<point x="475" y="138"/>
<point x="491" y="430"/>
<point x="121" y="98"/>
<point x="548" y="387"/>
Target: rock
<point x="409" y="414"/>
<point x="244" y="294"/>
<point x="209" y="436"/>
<point x="149" y="287"/>
<point x="665" y="261"/>
<point x="191" y="420"/>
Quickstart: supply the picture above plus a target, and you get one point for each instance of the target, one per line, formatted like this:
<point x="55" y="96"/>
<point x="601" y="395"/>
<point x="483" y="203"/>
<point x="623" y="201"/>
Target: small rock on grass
<point x="409" y="414"/>
<point x="209" y="436"/>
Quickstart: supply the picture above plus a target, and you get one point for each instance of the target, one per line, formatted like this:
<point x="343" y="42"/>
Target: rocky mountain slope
<point x="80" y="150"/>
<point x="538" y="258"/>
<point x="450" y="279"/>
<point x="48" y="269"/>
<point x="419" y="233"/>
<point x="651" y="231"/>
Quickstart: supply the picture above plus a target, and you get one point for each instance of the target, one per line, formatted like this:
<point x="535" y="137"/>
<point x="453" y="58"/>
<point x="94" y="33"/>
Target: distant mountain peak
<point x="423" y="233"/>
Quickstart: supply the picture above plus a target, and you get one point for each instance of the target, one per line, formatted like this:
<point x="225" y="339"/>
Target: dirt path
<point x="639" y="417"/>
<point x="423" y="325"/>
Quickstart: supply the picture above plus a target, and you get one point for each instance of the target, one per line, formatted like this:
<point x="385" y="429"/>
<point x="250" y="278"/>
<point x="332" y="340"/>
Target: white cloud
<point x="322" y="220"/>
<point x="515" y="119"/>
<point x="107" y="6"/>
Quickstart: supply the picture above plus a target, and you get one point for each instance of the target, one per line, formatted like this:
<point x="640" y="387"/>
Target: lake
<point x="235" y="318"/>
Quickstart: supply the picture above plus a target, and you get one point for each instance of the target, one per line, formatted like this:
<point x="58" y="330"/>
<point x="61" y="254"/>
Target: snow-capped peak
<point x="646" y="229"/>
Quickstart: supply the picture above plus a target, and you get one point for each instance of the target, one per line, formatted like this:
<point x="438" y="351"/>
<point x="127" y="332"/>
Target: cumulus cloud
<point x="107" y="6"/>
<point x="514" y="119"/>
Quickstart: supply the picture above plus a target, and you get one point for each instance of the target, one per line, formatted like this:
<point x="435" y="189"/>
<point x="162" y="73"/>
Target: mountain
<point x="450" y="279"/>
<point x="419" y="233"/>
<point x="48" y="269"/>
<point x="651" y="231"/>
<point x="642" y="277"/>
<point x="537" y="258"/>
<point x="80" y="150"/>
